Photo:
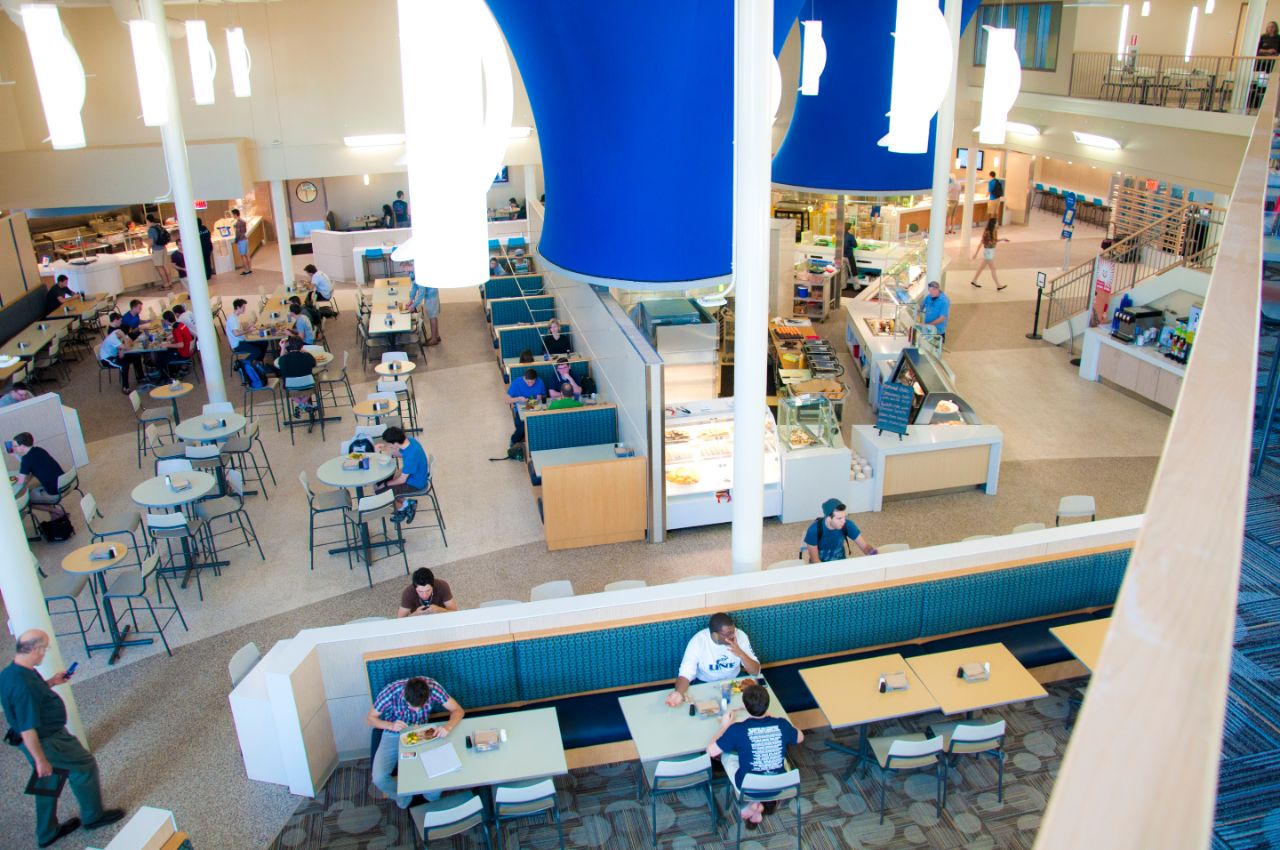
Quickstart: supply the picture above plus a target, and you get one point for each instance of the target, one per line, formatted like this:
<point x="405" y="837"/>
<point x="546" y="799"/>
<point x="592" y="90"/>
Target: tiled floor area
<point x="164" y="756"/>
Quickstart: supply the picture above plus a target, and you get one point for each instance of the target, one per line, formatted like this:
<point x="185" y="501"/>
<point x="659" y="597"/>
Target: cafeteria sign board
<point x="895" y="409"/>
<point x="1104" y="277"/>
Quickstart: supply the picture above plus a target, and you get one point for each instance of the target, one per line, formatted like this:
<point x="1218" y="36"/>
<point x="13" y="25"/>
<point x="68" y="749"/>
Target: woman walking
<point x="988" y="248"/>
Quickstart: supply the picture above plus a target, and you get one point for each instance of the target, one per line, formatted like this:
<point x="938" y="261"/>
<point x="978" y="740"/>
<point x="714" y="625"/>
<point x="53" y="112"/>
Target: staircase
<point x="1181" y="234"/>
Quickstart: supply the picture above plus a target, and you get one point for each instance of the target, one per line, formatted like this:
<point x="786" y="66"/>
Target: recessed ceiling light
<point x="374" y="140"/>
<point x="1094" y="141"/>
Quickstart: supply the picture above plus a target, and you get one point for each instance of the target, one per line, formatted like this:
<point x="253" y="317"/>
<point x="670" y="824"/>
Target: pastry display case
<point x="807" y="421"/>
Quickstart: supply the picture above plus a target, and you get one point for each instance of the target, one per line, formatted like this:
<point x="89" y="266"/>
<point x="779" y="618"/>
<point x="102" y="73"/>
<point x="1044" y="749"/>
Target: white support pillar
<point x="970" y="186"/>
<point x="175" y="159"/>
<point x="752" y="153"/>
<point x="530" y="184"/>
<point x="284" y="229"/>
<point x="24" y="601"/>
<point x="942" y="135"/>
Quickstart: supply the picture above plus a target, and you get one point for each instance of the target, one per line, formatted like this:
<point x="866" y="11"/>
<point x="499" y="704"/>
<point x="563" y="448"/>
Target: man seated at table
<point x="398" y="706"/>
<point x="718" y="652"/>
<point x="114" y="352"/>
<point x="414" y="474"/>
<point x="18" y="392"/>
<point x="754" y="744"/>
<point x="38" y="473"/>
<point x="825" y="538"/>
<point x="131" y="321"/>
<point x="178" y="348"/>
<point x="300" y="324"/>
<point x="186" y="318"/>
<point x="319" y="281"/>
<point x="521" y="389"/>
<point x="238" y="332"/>
<point x="427" y="595"/>
<point x="564" y="398"/>
<point x="293" y="362"/>
<point x="58" y="294"/>
<point x="564" y="378"/>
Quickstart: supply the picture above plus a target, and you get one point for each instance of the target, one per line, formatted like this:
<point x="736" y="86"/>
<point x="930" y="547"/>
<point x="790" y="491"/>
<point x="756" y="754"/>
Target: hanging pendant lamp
<point x="1000" y="85"/>
<point x="59" y="74"/>
<point x="922" y="68"/>
<point x="153" y="82"/>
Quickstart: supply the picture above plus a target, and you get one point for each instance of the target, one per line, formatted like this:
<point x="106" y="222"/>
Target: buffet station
<point x="926" y="438"/>
<point x="1141" y="353"/>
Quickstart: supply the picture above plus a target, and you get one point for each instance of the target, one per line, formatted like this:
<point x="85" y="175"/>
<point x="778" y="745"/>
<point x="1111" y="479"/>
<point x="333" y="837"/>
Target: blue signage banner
<point x="895" y="409"/>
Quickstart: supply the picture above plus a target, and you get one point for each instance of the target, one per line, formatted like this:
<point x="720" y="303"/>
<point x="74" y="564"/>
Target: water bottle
<point x="168" y="482"/>
<point x="725" y="689"/>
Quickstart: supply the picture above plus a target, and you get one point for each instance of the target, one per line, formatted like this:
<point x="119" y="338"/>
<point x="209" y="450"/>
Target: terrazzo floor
<point x="150" y="755"/>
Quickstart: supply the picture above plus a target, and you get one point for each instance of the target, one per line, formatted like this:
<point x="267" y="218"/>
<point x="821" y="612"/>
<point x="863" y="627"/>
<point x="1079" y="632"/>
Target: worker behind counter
<point x="936" y="309"/>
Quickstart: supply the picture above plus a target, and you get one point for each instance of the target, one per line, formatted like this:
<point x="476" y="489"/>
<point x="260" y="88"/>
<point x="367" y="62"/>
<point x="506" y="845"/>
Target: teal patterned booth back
<point x="546" y="370"/>
<point x="522" y="311"/>
<point x="614" y="657"/>
<point x="512" y="287"/>
<point x="512" y="341"/>
<point x="579" y="426"/>
<point x="473" y="675"/>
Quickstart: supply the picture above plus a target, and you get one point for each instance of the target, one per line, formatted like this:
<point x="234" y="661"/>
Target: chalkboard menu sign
<point x="895" y="408"/>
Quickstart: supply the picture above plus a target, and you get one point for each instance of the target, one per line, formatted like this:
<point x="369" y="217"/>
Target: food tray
<point x="679" y="455"/>
<point x="715" y="432"/>
<point x="676" y="435"/>
<point x="417" y="735"/>
<point x="716" y="452"/>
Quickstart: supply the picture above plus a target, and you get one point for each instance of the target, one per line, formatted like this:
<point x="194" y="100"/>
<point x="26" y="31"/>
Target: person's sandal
<point x="975" y="284"/>
<point x="999" y="288"/>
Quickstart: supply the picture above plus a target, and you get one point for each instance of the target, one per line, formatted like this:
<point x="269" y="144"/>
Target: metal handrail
<point x="1209" y="83"/>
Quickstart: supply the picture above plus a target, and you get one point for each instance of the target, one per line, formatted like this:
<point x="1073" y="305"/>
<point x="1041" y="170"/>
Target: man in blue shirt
<point x="399" y="211"/>
<point x="414" y="475"/>
<point x="936" y="307"/>
<point x="529" y="386"/>
<point x="826" y="535"/>
<point x="130" y="321"/>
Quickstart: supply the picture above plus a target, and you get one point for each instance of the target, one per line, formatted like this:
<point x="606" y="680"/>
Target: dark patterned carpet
<point x="600" y="808"/>
<point x="1248" y="815"/>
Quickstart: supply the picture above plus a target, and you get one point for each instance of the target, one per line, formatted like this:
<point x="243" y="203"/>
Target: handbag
<point x="57" y="529"/>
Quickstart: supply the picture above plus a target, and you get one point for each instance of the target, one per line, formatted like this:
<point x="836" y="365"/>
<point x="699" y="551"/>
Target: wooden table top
<point x="36" y="336"/>
<point x="402" y="367"/>
<point x="168" y="391"/>
<point x="79" y="561"/>
<point x="77" y="309"/>
<point x="660" y="731"/>
<point x="849" y="693"/>
<point x="374" y="408"/>
<point x="392" y="283"/>
<point x="1084" y="640"/>
<point x="400" y="323"/>
<point x="1009" y="680"/>
<point x="154" y="493"/>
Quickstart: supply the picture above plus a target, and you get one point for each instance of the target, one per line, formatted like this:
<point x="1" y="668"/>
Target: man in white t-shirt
<point x="237" y="332"/>
<point x="953" y="203"/>
<point x="718" y="652"/>
<point x="320" y="283"/>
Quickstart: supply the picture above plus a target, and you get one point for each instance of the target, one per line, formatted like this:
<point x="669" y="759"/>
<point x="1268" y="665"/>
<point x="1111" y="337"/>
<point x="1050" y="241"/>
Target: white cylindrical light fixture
<point x="922" y="68"/>
<point x="204" y="64"/>
<point x="241" y="62"/>
<point x="59" y="74"/>
<point x="153" y="80"/>
<point x="1146" y="8"/>
<point x="1208" y="7"/>
<point x="458" y="101"/>
<point x="1000" y="85"/>
<point x="1121" y="39"/>
<point x="813" y="56"/>
<point x="1191" y="33"/>
<point x="775" y="88"/>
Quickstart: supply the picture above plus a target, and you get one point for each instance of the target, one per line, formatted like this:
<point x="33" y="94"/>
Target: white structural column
<point x="752" y="134"/>
<point x="284" y="228"/>
<point x="970" y="186"/>
<point x="24" y="601"/>
<point x="1254" y="15"/>
<point x="175" y="158"/>
<point x="942" y="134"/>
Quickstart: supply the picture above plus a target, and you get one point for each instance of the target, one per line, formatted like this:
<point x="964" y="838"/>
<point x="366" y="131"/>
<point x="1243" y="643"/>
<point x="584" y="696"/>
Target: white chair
<point x="524" y="800"/>
<point x="977" y="537"/>
<point x="173" y="465"/>
<point x="892" y="547"/>
<point x="242" y="662"/>
<point x="782" y="565"/>
<point x="674" y="776"/>
<point x="496" y="603"/>
<point x="448" y="816"/>
<point x="560" y="589"/>
<point x="971" y="738"/>
<point x="766" y="788"/>
<point x="907" y="752"/>
<point x="1076" y="506"/>
<point x="1028" y="526"/>
<point x="625" y="584"/>
<point x="217" y="408"/>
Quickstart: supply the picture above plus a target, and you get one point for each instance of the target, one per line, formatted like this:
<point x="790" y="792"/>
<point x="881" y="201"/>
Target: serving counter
<point x="225" y="258"/>
<point x="872" y="352"/>
<point x="929" y="458"/>
<point x="109" y="274"/>
<point x="1139" y="369"/>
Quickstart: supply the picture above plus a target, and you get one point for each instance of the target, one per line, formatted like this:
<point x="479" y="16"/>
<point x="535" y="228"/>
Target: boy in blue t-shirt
<point x="757" y="744"/>
<point x="529" y="386"/>
<point x="826" y="535"/>
<point x="414" y="474"/>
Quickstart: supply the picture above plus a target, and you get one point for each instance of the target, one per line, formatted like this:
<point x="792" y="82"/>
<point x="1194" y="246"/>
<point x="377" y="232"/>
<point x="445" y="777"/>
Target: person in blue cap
<point x="936" y="307"/>
<point x="825" y="539"/>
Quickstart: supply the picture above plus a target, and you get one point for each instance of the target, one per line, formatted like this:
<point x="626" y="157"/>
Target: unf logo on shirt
<point x="724" y="662"/>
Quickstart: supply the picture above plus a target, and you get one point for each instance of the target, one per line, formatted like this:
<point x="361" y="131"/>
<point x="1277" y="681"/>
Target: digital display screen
<point x="962" y="158"/>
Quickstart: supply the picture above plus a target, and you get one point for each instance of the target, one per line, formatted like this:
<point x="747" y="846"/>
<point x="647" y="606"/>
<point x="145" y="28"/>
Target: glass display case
<point x="806" y="420"/>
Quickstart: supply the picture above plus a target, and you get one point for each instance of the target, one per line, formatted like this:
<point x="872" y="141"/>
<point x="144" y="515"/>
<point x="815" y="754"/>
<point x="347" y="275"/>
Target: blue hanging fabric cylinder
<point x="831" y="143"/>
<point x="634" y="110"/>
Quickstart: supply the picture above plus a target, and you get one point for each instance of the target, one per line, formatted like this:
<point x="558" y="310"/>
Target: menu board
<point x="895" y="408"/>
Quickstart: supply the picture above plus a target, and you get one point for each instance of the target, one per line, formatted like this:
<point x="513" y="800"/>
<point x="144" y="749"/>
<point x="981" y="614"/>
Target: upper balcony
<point x="1222" y="84"/>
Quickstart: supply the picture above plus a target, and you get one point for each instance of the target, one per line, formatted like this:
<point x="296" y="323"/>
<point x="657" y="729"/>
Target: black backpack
<point x="997" y="190"/>
<point x="57" y="529"/>
<point x="159" y="235"/>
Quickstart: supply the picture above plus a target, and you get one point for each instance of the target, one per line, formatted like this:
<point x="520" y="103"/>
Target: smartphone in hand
<point x="72" y="669"/>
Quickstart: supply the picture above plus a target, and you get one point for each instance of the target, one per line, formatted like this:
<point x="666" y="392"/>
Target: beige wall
<point x="1057" y="81"/>
<point x="18" y="270"/>
<point x="1163" y="31"/>
<point x="1075" y="176"/>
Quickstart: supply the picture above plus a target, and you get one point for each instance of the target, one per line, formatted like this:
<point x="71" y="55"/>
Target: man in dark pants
<point x="206" y="249"/>
<point x="38" y="717"/>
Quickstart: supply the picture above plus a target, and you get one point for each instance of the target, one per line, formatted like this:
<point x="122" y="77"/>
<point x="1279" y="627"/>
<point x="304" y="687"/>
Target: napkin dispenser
<point x="102" y="553"/>
<point x="707" y="707"/>
<point x="890" y="682"/>
<point x="484" y="740"/>
<point x="974" y="672"/>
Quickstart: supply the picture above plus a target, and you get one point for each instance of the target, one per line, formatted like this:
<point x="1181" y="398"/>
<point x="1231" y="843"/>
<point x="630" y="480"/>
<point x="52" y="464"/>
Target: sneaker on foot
<point x="108" y="817"/>
<point x="410" y="509"/>
<point x="397" y="517"/>
<point x="64" y="829"/>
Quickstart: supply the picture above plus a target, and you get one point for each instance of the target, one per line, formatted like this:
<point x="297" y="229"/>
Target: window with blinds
<point x="1037" y="25"/>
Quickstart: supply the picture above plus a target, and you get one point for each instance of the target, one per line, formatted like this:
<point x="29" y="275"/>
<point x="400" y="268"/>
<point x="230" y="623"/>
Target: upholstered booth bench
<point x="581" y="671"/>
<point x="504" y="312"/>
<point x="514" y="286"/>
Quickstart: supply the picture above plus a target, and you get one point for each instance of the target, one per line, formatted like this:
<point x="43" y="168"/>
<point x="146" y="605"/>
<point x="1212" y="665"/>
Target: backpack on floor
<point x="252" y="373"/>
<point x="57" y="529"/>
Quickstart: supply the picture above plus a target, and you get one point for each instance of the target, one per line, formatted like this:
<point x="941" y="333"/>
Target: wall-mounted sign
<point x="202" y="205"/>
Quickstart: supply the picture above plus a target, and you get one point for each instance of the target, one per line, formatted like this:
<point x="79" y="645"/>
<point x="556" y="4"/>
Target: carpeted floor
<point x="600" y="808"/>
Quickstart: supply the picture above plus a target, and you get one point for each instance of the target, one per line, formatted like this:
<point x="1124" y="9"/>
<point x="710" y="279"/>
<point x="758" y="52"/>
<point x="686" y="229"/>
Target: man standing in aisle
<point x="995" y="196"/>
<point x="38" y="724"/>
<point x="825" y="539"/>
<point x="242" y="242"/>
<point x="718" y="652"/>
<point x="953" y="204"/>
<point x="399" y="211"/>
<point x="159" y="236"/>
<point x="206" y="249"/>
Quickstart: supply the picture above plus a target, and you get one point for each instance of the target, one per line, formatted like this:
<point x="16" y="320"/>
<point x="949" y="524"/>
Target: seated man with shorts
<point x="414" y="474"/>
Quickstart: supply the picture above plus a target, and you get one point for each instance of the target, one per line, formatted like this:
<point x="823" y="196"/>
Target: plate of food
<point x="413" y="737"/>
<point x="676" y="435"/>
<point x="355" y="455"/>
<point x="682" y="475"/>
<point x="800" y="438"/>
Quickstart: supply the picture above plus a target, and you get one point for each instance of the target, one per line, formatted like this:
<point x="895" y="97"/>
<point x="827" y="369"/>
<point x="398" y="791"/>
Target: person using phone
<point x="720" y="651"/>
<point x="38" y="719"/>
<point x="399" y="705"/>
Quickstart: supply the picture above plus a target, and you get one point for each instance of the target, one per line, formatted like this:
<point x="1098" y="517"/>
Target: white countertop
<point x="927" y="438"/>
<point x="878" y="347"/>
<point x="58" y="267"/>
<point x="1146" y="353"/>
